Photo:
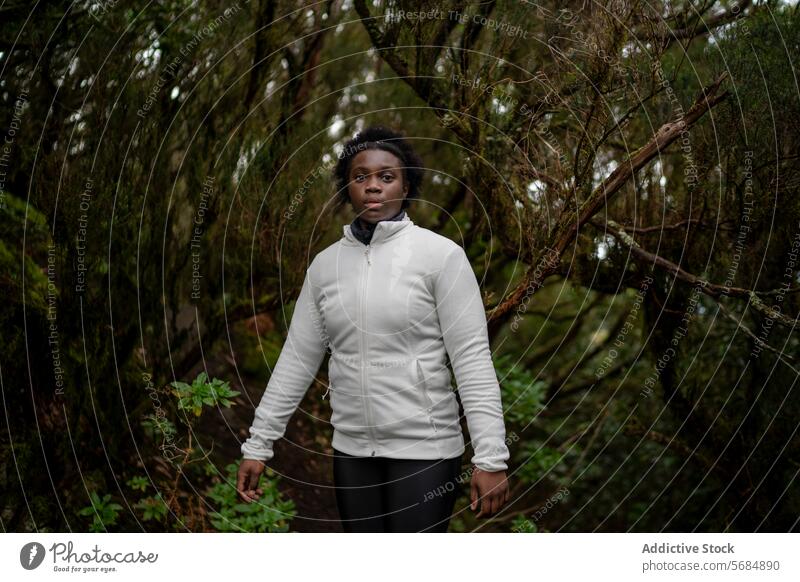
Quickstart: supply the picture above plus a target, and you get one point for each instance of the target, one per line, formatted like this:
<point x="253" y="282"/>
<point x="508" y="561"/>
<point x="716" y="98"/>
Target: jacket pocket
<point x="346" y="400"/>
<point x="427" y="401"/>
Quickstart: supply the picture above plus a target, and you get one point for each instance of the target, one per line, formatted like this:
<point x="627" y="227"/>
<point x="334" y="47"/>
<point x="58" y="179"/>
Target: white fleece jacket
<point x="391" y="312"/>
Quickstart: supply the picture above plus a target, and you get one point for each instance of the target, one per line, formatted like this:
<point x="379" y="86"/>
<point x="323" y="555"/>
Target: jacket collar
<point x="384" y="230"/>
<point x="364" y="231"/>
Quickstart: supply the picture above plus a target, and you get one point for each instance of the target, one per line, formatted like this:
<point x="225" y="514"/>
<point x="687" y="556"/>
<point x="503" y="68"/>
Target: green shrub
<point x="103" y="511"/>
<point x="522" y="396"/>
<point x="203" y="391"/>
<point x="271" y="513"/>
<point x="521" y="524"/>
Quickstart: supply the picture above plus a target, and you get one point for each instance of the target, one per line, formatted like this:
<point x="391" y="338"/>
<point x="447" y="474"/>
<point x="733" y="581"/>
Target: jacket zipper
<point x="367" y="407"/>
<point x="427" y="396"/>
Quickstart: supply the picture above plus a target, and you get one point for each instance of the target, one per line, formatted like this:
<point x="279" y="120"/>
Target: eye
<point x="359" y="177"/>
<point x="389" y="176"/>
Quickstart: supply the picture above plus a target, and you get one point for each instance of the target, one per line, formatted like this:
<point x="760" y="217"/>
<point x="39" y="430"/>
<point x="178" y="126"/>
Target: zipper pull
<point x="369" y="261"/>
<point x="326" y="391"/>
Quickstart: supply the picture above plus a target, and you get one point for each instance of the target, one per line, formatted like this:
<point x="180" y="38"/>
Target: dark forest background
<point x="624" y="176"/>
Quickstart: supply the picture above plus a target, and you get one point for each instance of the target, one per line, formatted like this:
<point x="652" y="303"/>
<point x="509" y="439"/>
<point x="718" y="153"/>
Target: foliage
<point x="538" y="462"/>
<point x="103" y="512"/>
<point x="521" y="524"/>
<point x="153" y="507"/>
<point x="203" y="391"/>
<point x="271" y="513"/>
<point x="137" y="483"/>
<point x="523" y="396"/>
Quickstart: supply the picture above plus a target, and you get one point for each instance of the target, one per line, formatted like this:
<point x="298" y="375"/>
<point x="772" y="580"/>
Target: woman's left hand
<point x="490" y="489"/>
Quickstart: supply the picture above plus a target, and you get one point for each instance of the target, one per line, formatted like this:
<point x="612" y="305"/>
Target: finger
<point x="240" y="481"/>
<point x="245" y="496"/>
<point x="501" y="497"/>
<point x="497" y="502"/>
<point x="486" y="506"/>
<point x="473" y="495"/>
<point x="243" y="492"/>
<point x="255" y="477"/>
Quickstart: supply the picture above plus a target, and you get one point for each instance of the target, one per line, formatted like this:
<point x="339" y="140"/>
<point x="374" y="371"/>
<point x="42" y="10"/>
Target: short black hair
<point x="379" y="137"/>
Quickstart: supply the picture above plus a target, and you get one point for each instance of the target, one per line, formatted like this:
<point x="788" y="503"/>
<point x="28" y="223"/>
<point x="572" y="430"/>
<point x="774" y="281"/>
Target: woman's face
<point x="376" y="186"/>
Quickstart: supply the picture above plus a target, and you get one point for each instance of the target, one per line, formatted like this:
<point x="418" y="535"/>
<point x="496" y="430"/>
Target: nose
<point x="372" y="184"/>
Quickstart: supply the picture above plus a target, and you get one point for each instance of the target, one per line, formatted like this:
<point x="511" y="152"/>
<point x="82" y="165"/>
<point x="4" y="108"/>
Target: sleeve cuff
<point x="490" y="467"/>
<point x="256" y="453"/>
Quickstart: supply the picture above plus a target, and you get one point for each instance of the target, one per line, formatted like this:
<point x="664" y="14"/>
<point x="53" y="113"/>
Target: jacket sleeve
<point x="463" y="321"/>
<point x="297" y="365"/>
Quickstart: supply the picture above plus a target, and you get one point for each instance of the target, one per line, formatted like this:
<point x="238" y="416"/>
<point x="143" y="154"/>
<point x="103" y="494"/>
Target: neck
<point x="363" y="230"/>
<point x="371" y="225"/>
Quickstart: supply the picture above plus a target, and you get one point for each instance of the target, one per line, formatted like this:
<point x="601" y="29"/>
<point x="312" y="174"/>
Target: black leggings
<point x="378" y="494"/>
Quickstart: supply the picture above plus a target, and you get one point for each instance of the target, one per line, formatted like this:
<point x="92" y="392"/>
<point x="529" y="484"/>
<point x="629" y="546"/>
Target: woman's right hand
<point x="247" y="481"/>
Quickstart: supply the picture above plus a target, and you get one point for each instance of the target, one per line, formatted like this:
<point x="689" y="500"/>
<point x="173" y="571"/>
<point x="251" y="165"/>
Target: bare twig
<point x="544" y="263"/>
<point x="711" y="289"/>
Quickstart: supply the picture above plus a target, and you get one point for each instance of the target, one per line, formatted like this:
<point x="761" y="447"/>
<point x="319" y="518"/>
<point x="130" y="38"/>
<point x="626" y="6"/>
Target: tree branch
<point x="426" y="90"/>
<point x="711" y="289"/>
<point x="546" y="260"/>
<point x="635" y="428"/>
<point x="699" y="27"/>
